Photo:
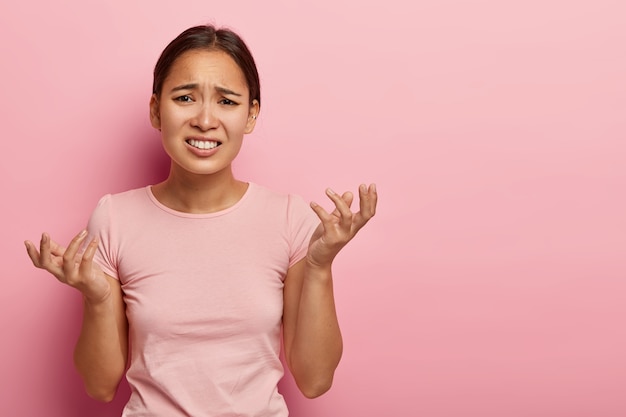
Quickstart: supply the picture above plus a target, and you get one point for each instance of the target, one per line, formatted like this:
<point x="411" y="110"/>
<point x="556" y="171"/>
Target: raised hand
<point x="70" y="267"/>
<point x="340" y="226"/>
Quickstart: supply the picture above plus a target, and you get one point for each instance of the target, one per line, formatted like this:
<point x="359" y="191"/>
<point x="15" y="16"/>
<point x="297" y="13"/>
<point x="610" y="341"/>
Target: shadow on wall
<point x="142" y="162"/>
<point x="65" y="392"/>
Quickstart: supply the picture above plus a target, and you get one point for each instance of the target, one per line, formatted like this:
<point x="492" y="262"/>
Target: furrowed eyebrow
<point x="227" y="92"/>
<point x="192" y="86"/>
<point x="184" y="87"/>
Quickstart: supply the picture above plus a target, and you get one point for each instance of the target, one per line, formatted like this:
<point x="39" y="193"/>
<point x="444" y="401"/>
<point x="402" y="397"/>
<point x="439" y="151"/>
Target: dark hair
<point x="209" y="38"/>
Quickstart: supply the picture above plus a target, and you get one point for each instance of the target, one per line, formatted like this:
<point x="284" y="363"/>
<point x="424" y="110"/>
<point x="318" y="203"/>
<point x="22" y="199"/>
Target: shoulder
<point x="269" y="196"/>
<point x="125" y="198"/>
<point x="136" y="194"/>
<point x="113" y="205"/>
<point x="262" y="192"/>
<point x="287" y="209"/>
<point x="287" y="206"/>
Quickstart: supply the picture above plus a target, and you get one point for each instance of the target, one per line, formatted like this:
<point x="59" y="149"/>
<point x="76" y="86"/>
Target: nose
<point x="205" y="118"/>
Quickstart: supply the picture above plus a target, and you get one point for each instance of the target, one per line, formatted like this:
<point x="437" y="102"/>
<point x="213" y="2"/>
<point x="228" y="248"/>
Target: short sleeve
<point x="302" y="222"/>
<point x="100" y="227"/>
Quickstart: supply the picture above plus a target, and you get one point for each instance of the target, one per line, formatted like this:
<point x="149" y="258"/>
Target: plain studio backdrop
<point x="492" y="281"/>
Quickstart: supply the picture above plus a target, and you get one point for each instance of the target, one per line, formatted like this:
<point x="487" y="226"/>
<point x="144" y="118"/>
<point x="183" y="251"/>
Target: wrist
<point x="318" y="272"/>
<point x="96" y="303"/>
<point x="314" y="265"/>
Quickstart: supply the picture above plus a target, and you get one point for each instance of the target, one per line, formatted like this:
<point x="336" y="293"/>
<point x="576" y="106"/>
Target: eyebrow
<point x="193" y="86"/>
<point x="227" y="92"/>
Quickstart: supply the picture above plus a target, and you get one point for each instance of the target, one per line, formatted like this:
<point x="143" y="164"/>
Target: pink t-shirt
<point x="204" y="299"/>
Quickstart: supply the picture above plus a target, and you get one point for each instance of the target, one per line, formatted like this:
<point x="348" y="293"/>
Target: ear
<point x="253" y="113"/>
<point x="155" y="115"/>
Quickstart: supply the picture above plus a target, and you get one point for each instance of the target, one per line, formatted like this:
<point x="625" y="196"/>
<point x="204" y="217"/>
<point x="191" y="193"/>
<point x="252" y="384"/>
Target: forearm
<point x="313" y="343"/>
<point x="317" y="343"/>
<point x="101" y="351"/>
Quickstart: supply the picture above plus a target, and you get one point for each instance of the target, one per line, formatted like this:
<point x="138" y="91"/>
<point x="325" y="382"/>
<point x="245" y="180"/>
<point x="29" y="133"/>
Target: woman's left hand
<point x="340" y="226"/>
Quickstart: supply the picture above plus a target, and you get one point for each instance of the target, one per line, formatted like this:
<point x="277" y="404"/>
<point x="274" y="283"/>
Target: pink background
<point x="492" y="280"/>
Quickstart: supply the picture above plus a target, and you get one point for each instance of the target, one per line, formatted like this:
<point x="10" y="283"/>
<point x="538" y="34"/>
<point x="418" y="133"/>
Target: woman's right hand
<point x="70" y="267"/>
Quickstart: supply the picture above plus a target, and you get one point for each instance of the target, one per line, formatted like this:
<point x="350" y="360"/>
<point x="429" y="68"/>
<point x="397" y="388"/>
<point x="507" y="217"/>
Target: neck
<point x="193" y="193"/>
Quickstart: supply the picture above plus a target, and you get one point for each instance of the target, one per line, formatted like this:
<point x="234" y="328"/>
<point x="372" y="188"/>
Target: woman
<point x="199" y="274"/>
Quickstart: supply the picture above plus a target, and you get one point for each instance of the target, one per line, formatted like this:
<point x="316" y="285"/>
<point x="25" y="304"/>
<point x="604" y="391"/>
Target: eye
<point x="227" y="102"/>
<point x="185" y="99"/>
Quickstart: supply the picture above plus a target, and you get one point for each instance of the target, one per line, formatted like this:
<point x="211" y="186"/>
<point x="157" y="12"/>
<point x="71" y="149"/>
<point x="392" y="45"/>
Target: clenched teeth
<point x="202" y="144"/>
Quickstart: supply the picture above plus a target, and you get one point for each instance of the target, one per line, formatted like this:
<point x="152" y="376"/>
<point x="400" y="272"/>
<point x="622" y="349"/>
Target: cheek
<point x="236" y="122"/>
<point x="173" y="118"/>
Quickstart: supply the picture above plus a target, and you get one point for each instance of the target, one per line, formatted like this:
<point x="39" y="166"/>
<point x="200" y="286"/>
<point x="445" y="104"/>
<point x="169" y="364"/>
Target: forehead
<point x="202" y="66"/>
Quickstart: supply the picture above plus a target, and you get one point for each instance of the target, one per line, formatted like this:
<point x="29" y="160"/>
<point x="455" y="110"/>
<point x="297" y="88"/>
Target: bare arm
<point x="102" y="348"/>
<point x="312" y="338"/>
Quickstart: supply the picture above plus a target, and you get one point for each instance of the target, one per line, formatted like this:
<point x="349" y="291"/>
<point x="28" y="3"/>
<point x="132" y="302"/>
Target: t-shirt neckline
<point x="199" y="215"/>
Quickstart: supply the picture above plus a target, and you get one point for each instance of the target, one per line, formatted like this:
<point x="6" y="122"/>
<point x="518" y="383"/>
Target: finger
<point x="343" y="209"/>
<point x="86" y="263"/>
<point x="69" y="257"/>
<point x="347" y="218"/>
<point x="348" y="197"/>
<point x="33" y="253"/>
<point x="323" y="215"/>
<point x="373" y="198"/>
<point x="56" y="249"/>
<point x="46" y="260"/>
<point x="367" y="200"/>
<point x="44" y="251"/>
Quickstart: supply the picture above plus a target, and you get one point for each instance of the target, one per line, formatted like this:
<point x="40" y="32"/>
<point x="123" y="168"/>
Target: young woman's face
<point x="203" y="112"/>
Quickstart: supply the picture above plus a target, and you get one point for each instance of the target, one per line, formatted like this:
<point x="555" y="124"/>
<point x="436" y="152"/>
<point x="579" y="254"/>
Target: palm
<point x="71" y="267"/>
<point x="339" y="227"/>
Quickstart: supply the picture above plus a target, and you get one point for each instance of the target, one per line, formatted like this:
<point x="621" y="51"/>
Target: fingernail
<point x="330" y="191"/>
<point x="363" y="188"/>
<point x="83" y="233"/>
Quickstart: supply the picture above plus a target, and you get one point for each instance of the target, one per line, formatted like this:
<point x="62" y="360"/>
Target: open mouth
<point x="203" y="144"/>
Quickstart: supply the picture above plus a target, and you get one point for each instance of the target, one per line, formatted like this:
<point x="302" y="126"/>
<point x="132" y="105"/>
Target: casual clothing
<point x="204" y="299"/>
